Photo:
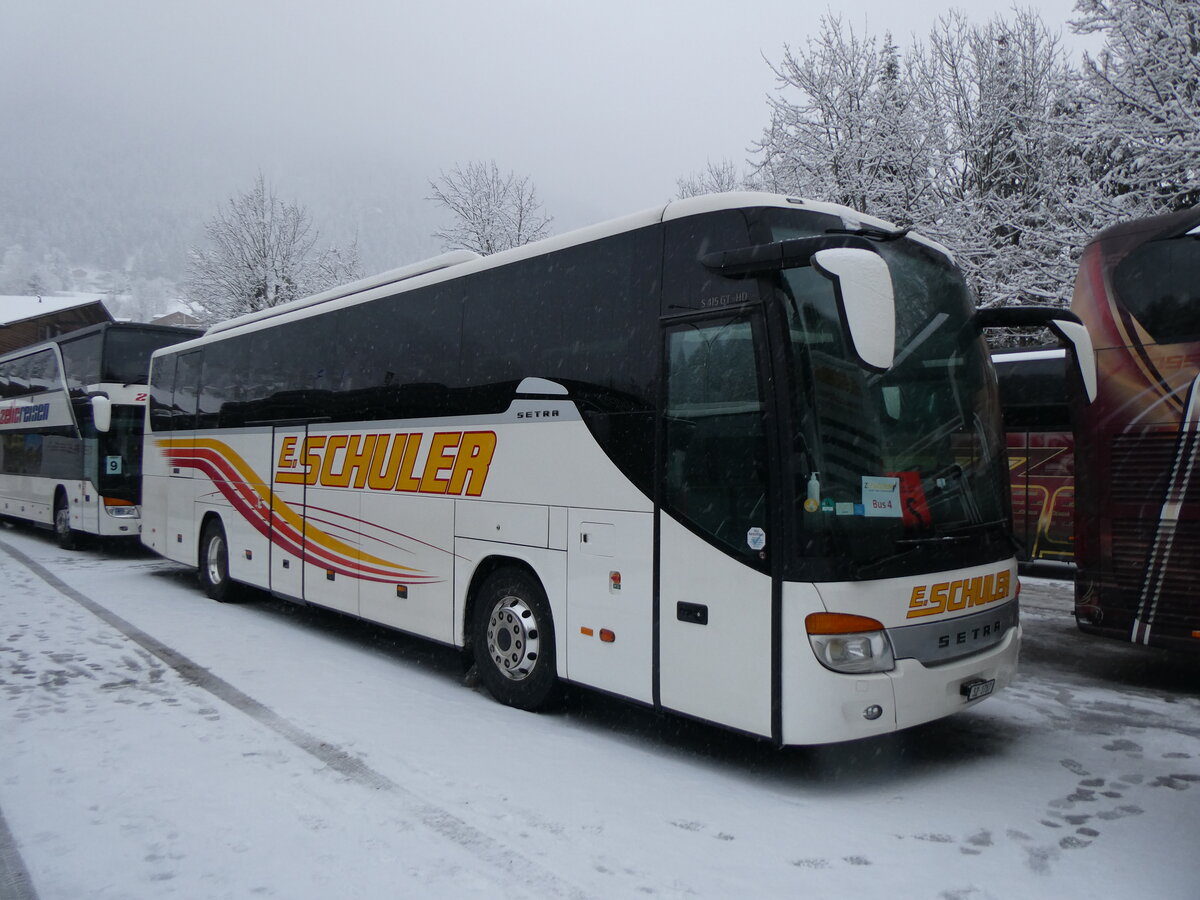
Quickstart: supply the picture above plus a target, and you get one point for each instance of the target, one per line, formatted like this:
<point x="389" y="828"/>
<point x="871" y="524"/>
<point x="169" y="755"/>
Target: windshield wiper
<point x="966" y="534"/>
<point x="873" y="234"/>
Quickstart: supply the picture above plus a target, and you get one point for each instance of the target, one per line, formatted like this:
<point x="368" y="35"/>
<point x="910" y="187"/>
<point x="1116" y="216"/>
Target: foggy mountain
<point x="135" y="210"/>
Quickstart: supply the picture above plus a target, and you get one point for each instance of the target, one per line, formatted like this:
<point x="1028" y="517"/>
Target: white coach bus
<point x="72" y="411"/>
<point x="738" y="458"/>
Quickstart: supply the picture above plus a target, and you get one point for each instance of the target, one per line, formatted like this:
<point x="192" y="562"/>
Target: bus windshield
<point x="120" y="454"/>
<point x="904" y="470"/>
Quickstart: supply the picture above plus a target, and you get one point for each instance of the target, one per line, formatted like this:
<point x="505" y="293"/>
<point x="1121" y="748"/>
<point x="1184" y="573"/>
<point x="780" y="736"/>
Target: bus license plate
<point x="973" y="690"/>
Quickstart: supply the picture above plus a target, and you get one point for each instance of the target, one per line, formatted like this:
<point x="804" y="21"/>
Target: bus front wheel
<point x="513" y="640"/>
<point x="67" y="537"/>
<point x="214" y="562"/>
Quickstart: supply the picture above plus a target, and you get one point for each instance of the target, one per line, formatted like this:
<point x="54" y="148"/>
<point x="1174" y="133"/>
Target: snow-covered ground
<point x="156" y="744"/>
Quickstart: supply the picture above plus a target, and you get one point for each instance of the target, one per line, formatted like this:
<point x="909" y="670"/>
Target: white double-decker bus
<point x="738" y="458"/>
<point x="72" y="410"/>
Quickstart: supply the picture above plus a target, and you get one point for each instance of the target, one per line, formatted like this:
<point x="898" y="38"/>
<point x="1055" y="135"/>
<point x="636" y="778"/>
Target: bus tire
<point x="67" y="537"/>
<point x="513" y="640"/>
<point x="214" y="562"/>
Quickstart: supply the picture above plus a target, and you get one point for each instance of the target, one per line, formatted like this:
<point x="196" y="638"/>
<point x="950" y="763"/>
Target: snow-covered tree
<point x="1008" y="182"/>
<point x="491" y="211"/>
<point x="845" y="125"/>
<point x="967" y="138"/>
<point x="1144" y="90"/>
<point x="263" y="252"/>
<point x="714" y="178"/>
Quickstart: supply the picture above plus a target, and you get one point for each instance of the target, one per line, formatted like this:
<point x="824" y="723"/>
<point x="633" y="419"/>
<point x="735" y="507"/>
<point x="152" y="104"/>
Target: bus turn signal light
<point x="839" y="623"/>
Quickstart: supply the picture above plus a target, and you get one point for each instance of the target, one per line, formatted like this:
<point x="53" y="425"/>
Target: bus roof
<point x="464" y="262"/>
<point x="98" y="327"/>
<point x="1168" y="225"/>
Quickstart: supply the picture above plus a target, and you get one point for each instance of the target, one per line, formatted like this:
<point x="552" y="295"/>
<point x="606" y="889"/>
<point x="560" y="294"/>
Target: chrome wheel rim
<point x="62" y="521"/>
<point x="512" y="638"/>
<point x="214" y="559"/>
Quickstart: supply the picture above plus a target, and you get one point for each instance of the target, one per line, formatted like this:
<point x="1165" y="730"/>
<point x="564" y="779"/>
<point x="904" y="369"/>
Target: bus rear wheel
<point x="214" y="562"/>
<point x="67" y="537"/>
<point x="513" y="640"/>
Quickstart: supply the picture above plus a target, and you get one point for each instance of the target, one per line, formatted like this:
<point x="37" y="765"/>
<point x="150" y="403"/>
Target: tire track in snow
<point x="15" y="883"/>
<point x="540" y="882"/>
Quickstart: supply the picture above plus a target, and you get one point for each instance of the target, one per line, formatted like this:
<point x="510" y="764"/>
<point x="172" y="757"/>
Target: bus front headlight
<point x="121" y="509"/>
<point x="847" y="643"/>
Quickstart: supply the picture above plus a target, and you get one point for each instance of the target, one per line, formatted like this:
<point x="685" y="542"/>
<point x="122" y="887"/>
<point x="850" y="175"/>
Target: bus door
<point x="325" y="514"/>
<point x="288" y="495"/>
<point x="715" y="589"/>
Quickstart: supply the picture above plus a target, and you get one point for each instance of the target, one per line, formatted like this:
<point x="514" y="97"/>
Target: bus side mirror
<point x="1064" y="323"/>
<point x="862" y="285"/>
<point x="101" y="413"/>
<point x="1076" y="334"/>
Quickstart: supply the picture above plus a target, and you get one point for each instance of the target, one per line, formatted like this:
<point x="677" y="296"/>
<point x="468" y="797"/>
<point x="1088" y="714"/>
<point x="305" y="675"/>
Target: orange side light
<point x="1196" y="635"/>
<point x="113" y="501"/>
<point x="587" y="632"/>
<point x="839" y="623"/>
<point x="607" y="636"/>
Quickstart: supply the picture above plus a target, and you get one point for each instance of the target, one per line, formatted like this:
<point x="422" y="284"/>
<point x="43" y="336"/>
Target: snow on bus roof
<point x="18" y="308"/>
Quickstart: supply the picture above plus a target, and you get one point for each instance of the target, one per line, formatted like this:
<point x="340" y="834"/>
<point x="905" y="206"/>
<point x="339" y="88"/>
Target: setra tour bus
<point x="1137" y="544"/>
<point x="72" y="410"/>
<point x="737" y="458"/>
<point x="1041" y="451"/>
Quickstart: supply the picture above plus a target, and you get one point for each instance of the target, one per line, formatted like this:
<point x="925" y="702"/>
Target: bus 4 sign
<point x="881" y="496"/>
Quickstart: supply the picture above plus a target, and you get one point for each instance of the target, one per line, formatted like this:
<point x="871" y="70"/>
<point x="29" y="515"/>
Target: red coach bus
<point x="1041" y="451"/>
<point x="1137" y="538"/>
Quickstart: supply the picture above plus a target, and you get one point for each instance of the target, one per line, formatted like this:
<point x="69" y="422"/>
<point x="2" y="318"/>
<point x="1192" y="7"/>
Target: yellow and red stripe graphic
<point x="276" y="520"/>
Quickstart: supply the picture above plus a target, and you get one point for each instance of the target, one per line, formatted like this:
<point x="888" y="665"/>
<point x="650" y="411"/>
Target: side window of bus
<point x="688" y="284"/>
<point x="1159" y="283"/>
<point x="186" y="388"/>
<point x="81" y="359"/>
<point x="716" y="456"/>
<point x="162" y="386"/>
<point x="18" y="377"/>
<point x="43" y="371"/>
<point x="222" y="384"/>
<point x="397" y="356"/>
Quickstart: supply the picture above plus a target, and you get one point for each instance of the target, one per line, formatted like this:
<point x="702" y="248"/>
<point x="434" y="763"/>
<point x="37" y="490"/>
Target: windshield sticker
<point x="881" y="496"/>
<point x="844" y="509"/>
<point x="827" y="505"/>
<point x="811" y="505"/>
<point x="912" y="499"/>
<point x="756" y="538"/>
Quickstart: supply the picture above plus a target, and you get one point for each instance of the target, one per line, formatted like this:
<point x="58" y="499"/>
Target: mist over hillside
<point x="134" y="211"/>
<point x="119" y="215"/>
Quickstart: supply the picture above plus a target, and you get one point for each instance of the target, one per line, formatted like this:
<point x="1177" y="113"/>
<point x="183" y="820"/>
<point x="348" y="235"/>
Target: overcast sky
<point x="603" y="104"/>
